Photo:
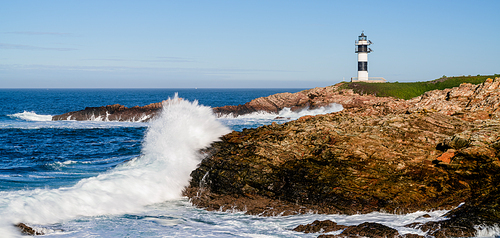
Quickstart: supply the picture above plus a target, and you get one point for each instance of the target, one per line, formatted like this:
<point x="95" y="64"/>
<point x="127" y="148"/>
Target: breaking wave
<point x="170" y="152"/>
<point x="31" y="116"/>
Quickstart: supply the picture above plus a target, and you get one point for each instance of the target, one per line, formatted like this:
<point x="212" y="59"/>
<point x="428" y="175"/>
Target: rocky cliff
<point x="381" y="154"/>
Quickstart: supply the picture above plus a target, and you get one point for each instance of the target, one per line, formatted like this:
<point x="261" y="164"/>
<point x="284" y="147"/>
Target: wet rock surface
<point x="114" y="112"/>
<point x="388" y="156"/>
<point x="339" y="163"/>
<point x="27" y="230"/>
<point x="320" y="226"/>
<point x="366" y="229"/>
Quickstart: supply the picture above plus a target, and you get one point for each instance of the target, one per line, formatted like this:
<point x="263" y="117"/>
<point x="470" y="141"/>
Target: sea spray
<point x="261" y="118"/>
<point x="288" y="113"/>
<point x="170" y="152"/>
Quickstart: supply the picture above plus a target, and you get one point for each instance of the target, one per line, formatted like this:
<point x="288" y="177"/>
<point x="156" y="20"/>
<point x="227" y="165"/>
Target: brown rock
<point x="320" y="226"/>
<point x="114" y="112"/>
<point x="367" y="229"/>
<point x="25" y="229"/>
<point x="446" y="228"/>
<point x="470" y="102"/>
<point x="371" y="230"/>
<point x="312" y="99"/>
<point x="340" y="162"/>
<point x="446" y="156"/>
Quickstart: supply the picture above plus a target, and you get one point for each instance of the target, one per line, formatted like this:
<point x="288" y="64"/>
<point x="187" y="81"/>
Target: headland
<point x="435" y="151"/>
<point x="420" y="151"/>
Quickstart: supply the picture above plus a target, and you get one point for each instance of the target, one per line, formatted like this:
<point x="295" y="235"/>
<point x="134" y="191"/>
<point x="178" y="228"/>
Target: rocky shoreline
<point x="435" y="151"/>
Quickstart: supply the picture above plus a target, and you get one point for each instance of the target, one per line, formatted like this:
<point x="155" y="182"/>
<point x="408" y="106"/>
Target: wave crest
<point x="31" y="116"/>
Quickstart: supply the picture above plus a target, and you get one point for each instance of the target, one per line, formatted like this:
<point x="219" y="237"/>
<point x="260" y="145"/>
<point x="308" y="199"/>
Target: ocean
<point x="124" y="179"/>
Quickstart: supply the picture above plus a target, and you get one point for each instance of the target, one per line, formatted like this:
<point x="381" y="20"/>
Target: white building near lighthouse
<point x="362" y="50"/>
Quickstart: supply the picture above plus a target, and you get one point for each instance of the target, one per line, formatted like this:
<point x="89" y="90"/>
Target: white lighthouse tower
<point x="362" y="49"/>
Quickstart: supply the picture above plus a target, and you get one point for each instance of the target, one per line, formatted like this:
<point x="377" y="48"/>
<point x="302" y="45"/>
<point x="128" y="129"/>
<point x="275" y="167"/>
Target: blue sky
<point x="228" y="44"/>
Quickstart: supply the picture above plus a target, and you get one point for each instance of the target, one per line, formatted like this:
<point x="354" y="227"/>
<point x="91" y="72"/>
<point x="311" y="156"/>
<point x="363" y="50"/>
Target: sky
<point x="241" y="44"/>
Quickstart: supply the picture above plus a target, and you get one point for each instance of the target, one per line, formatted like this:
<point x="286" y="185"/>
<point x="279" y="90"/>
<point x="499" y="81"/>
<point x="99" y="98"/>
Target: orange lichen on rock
<point x="447" y="156"/>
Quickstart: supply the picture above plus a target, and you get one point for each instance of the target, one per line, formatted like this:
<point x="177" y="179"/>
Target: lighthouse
<point x="362" y="49"/>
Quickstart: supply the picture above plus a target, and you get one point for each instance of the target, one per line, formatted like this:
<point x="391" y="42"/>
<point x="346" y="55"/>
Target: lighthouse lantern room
<point x="362" y="49"/>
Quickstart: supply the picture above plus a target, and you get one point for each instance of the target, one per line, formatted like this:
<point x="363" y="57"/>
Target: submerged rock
<point x="27" y="230"/>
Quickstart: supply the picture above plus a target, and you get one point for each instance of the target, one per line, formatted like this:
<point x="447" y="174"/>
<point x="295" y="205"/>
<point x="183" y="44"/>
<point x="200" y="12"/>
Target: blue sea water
<point x="124" y="179"/>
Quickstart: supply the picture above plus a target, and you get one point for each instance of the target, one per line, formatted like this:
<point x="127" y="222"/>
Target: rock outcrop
<point x="312" y="99"/>
<point x="338" y="163"/>
<point x="366" y="229"/>
<point x="369" y="229"/>
<point x="114" y="112"/>
<point x="320" y="226"/>
<point x="435" y="151"/>
<point x="469" y="102"/>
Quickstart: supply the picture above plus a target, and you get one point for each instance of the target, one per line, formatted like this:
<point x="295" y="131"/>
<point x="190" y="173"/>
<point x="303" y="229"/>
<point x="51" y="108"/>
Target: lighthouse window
<point x="362" y="66"/>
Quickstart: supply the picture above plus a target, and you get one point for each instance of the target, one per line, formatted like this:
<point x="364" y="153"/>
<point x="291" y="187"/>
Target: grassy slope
<point x="411" y="90"/>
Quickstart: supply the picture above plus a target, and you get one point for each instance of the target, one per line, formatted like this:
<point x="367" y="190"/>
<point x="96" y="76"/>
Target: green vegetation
<point x="414" y="89"/>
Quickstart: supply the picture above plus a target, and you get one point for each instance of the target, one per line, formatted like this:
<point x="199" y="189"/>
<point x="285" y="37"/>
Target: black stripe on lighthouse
<point x="362" y="49"/>
<point x="362" y="66"/>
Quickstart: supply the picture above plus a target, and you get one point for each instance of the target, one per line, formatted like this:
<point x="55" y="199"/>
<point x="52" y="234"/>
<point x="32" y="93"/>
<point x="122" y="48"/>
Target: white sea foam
<point x="263" y="118"/>
<point x="34" y="125"/>
<point x="289" y="114"/>
<point x="488" y="231"/>
<point x="170" y="153"/>
<point x="31" y="116"/>
<point x="139" y="118"/>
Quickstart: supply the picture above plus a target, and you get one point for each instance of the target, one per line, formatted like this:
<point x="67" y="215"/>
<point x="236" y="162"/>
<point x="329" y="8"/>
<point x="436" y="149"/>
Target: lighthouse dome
<point x="362" y="36"/>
